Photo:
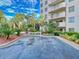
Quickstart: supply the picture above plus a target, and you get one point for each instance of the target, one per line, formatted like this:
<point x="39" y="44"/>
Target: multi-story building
<point x="64" y="12"/>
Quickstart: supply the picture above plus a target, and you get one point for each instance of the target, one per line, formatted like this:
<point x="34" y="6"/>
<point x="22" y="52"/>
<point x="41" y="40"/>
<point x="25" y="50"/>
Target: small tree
<point x="6" y="30"/>
<point x="52" y="26"/>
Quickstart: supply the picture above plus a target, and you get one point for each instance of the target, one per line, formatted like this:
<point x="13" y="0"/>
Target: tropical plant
<point x="6" y="30"/>
<point x="2" y="18"/>
<point x="52" y="26"/>
<point x="17" y="23"/>
<point x="42" y="20"/>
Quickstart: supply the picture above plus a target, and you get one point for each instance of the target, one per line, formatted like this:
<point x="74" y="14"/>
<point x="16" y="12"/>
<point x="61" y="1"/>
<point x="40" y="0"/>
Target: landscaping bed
<point x="3" y="40"/>
<point x="11" y="38"/>
<point x="72" y="36"/>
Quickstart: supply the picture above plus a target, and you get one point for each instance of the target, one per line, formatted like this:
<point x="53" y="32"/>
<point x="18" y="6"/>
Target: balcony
<point x="57" y="8"/>
<point x="54" y="2"/>
<point x="62" y="24"/>
<point x="59" y="16"/>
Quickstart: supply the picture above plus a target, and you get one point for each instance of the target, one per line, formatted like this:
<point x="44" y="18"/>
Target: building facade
<point x="44" y="4"/>
<point x="64" y="12"/>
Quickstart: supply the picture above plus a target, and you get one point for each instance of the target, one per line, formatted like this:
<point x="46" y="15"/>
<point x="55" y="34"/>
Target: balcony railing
<point x="60" y="15"/>
<point x="57" y="7"/>
<point x="62" y="24"/>
<point x="54" y="2"/>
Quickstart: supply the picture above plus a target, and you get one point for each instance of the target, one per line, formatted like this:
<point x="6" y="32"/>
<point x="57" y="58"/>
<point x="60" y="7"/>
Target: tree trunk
<point x="7" y="36"/>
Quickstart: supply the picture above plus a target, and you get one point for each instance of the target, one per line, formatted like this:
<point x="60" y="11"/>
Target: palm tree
<point x="6" y="29"/>
<point x="31" y="19"/>
<point x="18" y="19"/>
<point x="1" y="15"/>
<point x="2" y="18"/>
<point x="42" y="20"/>
<point x="18" y="22"/>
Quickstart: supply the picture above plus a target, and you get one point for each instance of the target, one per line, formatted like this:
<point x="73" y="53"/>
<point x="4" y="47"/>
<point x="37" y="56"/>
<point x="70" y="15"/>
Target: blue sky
<point x="11" y="7"/>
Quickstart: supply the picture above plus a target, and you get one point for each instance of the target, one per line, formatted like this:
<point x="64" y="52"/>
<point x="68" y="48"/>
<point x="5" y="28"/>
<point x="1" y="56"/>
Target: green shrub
<point x="29" y="25"/>
<point x="50" y="31"/>
<point x="33" y="29"/>
<point x="61" y="33"/>
<point x="18" y="32"/>
<point x="73" y="36"/>
<point x="77" y="36"/>
<point x="56" y="33"/>
<point x="69" y="33"/>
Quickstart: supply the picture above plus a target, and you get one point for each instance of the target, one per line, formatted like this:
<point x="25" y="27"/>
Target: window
<point x="46" y="2"/>
<point x="45" y="9"/>
<point x="71" y="19"/>
<point x="71" y="29"/>
<point x="71" y="9"/>
<point x="41" y="4"/>
<point x="41" y="11"/>
<point x="71" y="0"/>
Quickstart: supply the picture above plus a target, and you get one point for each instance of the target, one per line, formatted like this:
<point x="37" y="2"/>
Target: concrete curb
<point x="10" y="43"/>
<point x="74" y="45"/>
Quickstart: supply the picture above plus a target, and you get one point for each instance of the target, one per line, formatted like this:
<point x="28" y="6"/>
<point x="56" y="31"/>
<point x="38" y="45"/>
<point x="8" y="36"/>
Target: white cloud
<point x="31" y="1"/>
<point x="8" y="17"/>
<point x="14" y="7"/>
<point x="34" y="9"/>
<point x="22" y="7"/>
<point x="31" y="9"/>
<point x="10" y="10"/>
<point x="5" y="2"/>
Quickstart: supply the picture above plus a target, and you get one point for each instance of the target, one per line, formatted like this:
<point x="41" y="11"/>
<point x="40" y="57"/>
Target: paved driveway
<point x="39" y="48"/>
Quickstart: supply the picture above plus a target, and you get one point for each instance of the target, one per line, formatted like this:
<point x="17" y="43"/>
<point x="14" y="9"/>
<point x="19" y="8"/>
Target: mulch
<point x="3" y="40"/>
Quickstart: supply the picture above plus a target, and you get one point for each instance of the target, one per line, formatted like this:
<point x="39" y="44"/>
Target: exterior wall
<point x="43" y="8"/>
<point x="58" y="13"/>
<point x="65" y="15"/>
<point x="77" y="8"/>
<point x="75" y="14"/>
